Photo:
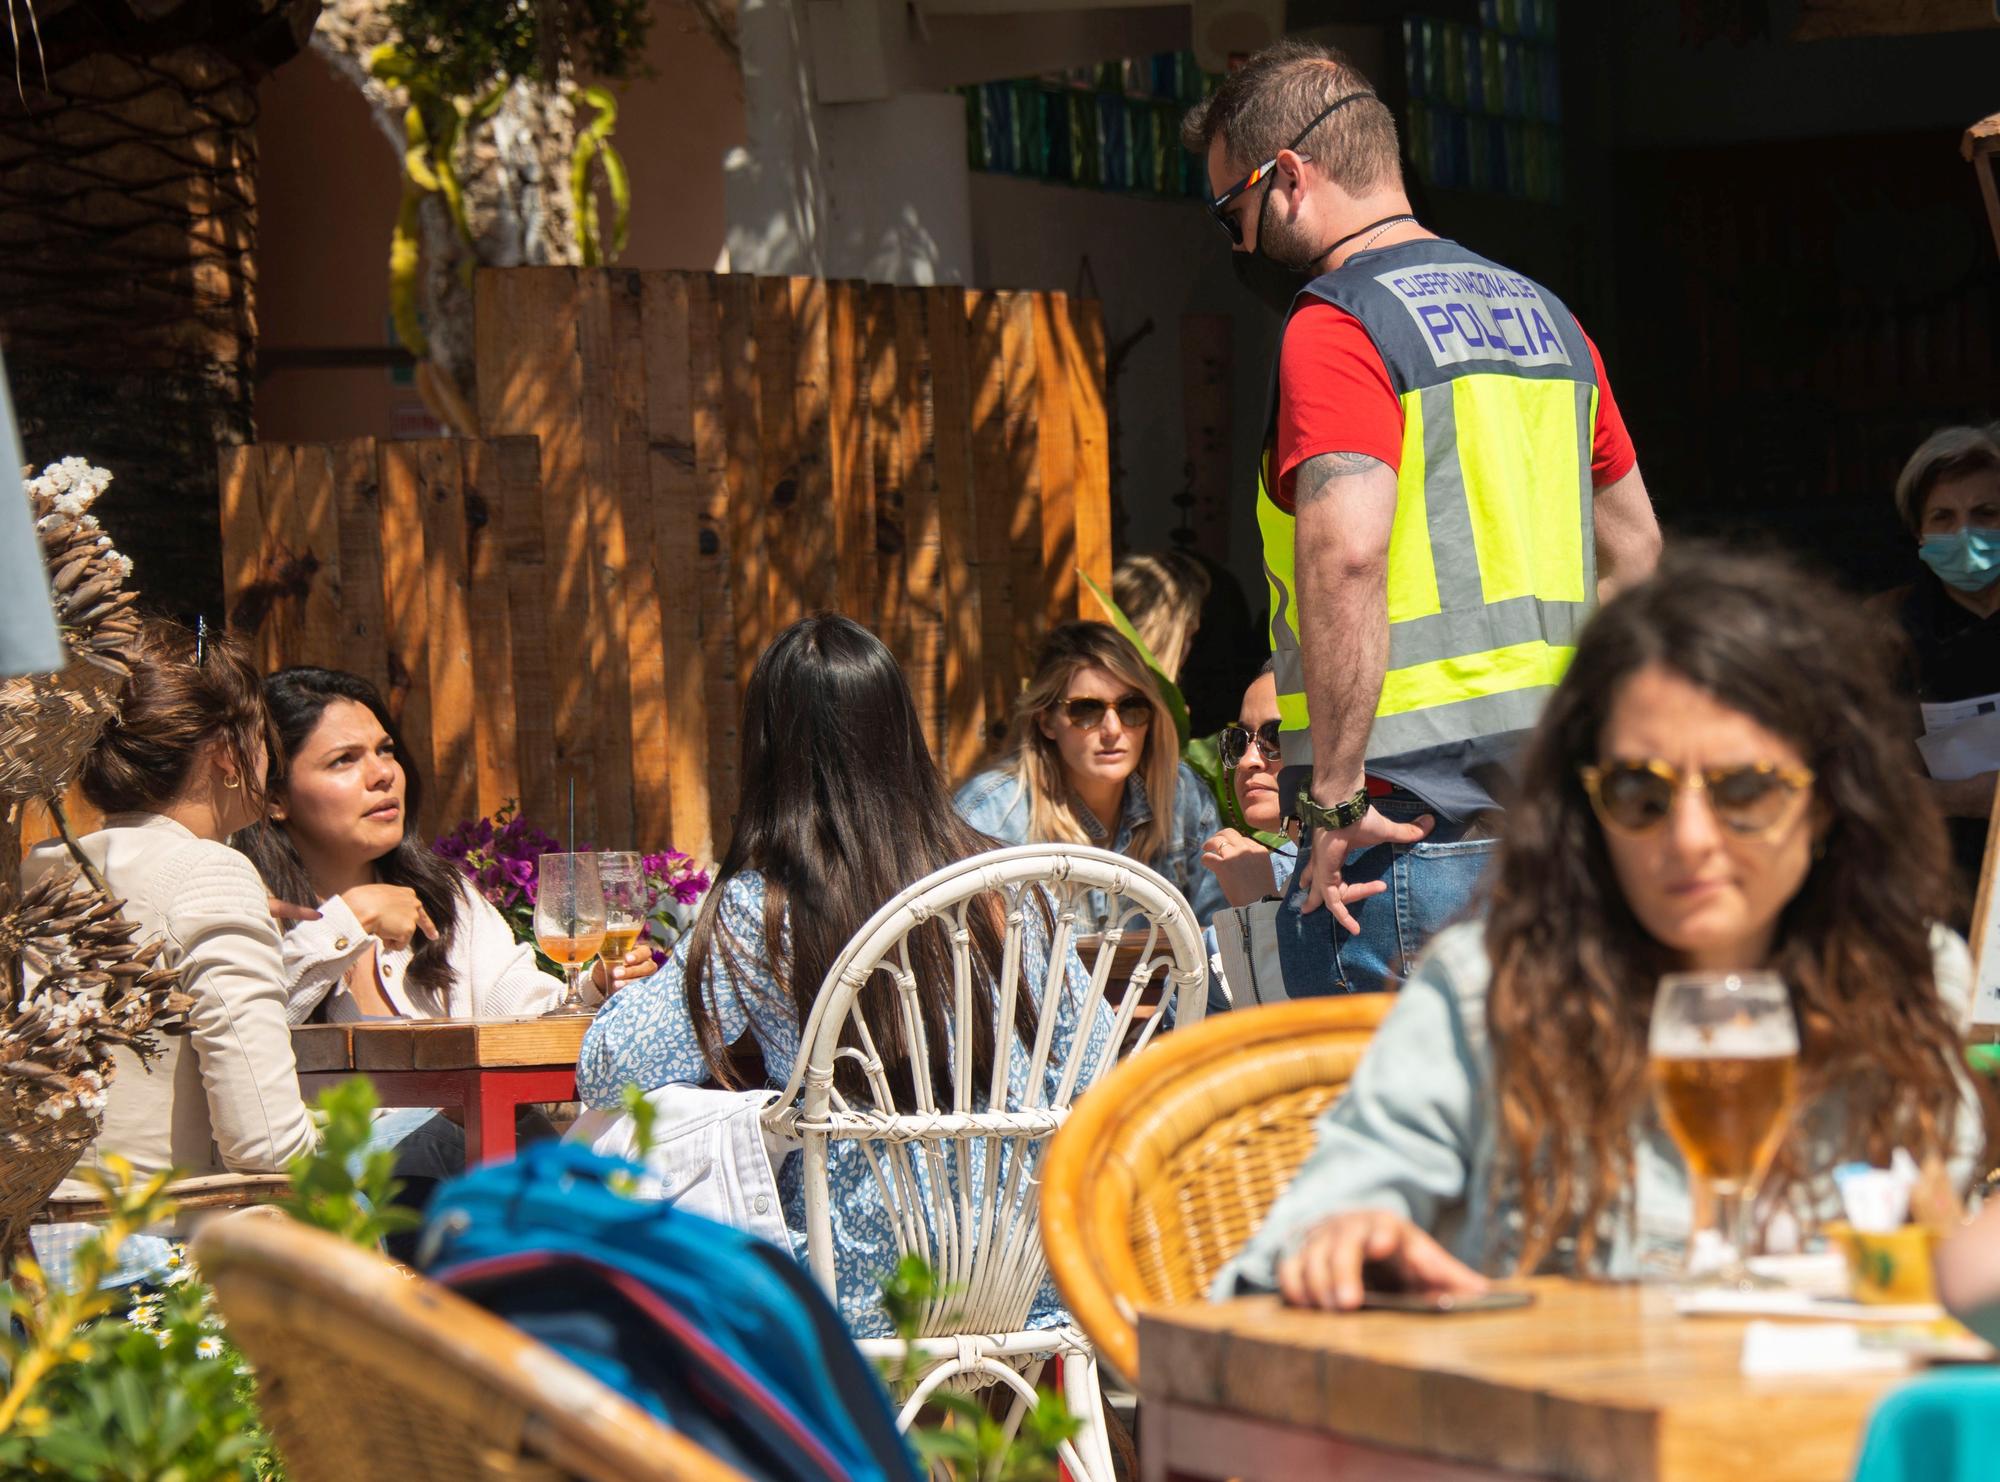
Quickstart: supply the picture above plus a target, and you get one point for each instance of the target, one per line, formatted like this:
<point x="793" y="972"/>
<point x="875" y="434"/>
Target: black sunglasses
<point x="1219" y="207"/>
<point x="1134" y="712"/>
<point x="1236" y="742"/>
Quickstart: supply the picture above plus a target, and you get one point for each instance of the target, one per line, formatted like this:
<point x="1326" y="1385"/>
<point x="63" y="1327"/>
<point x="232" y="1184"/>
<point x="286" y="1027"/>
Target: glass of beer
<point x="1725" y="1055"/>
<point x="569" y="917"/>
<point x="624" y="877"/>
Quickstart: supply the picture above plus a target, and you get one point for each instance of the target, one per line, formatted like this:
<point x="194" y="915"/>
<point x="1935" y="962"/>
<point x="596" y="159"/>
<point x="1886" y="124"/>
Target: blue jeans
<point x="1430" y="885"/>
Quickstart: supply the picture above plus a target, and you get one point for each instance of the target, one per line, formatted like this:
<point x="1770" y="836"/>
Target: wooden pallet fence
<point x="417" y="565"/>
<point x="736" y="452"/>
<point x="676" y="466"/>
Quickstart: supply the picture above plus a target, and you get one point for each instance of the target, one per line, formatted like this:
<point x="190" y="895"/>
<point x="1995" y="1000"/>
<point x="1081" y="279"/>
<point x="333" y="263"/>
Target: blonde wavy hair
<point x="1036" y="761"/>
<point x="1161" y="596"/>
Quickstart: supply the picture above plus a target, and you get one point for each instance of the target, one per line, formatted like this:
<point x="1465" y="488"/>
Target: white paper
<point x="1723" y="1302"/>
<point x="1961" y="739"/>
<point x="1817" y="1348"/>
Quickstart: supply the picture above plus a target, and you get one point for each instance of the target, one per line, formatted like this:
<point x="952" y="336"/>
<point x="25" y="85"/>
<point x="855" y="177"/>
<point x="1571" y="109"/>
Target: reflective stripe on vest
<point x="1491" y="568"/>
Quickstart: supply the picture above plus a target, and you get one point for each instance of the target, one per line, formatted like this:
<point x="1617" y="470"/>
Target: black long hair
<point x="842" y="808"/>
<point x="297" y="698"/>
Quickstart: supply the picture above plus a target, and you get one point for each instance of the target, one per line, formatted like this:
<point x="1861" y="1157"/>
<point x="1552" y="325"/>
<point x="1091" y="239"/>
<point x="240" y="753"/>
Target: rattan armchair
<point x="364" y="1370"/>
<point x="1167" y="1166"/>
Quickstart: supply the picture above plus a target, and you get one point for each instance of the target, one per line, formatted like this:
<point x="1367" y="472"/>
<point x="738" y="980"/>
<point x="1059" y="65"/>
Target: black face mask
<point x="1273" y="286"/>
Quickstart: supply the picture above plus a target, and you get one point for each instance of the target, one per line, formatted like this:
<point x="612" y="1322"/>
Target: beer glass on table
<point x="569" y="917"/>
<point x="1725" y="1053"/>
<point x="624" y="877"/>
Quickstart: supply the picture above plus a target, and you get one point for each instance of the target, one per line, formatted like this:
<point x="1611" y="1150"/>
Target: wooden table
<point x="484" y="1068"/>
<point x="1594" y="1383"/>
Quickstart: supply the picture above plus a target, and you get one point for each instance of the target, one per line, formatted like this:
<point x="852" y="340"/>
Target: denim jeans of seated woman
<point x="1430" y="885"/>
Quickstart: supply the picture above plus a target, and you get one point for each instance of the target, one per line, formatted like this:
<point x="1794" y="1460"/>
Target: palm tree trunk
<point x="127" y="257"/>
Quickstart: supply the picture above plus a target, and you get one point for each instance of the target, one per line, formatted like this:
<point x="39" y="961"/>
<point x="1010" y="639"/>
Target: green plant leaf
<point x="1169" y="691"/>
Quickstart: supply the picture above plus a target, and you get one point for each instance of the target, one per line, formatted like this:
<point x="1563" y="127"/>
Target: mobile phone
<point x="1440" y="1303"/>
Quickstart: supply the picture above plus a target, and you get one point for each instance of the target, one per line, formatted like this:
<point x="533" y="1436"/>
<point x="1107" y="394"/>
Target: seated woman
<point x="179" y="770"/>
<point x="1717" y="784"/>
<point x="1094" y="761"/>
<point x="1246" y="870"/>
<point x="842" y="809"/>
<point x="386" y="928"/>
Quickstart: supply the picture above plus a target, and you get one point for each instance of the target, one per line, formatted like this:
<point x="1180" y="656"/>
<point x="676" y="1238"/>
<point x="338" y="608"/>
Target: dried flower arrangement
<point x="91" y="988"/>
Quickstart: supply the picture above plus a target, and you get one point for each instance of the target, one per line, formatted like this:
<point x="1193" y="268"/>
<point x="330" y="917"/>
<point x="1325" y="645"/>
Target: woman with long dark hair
<point x="1717" y="784"/>
<point x="842" y="809"/>
<point x="387" y="928"/>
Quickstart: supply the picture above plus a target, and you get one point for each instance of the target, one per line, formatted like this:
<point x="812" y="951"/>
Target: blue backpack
<point x="722" y="1336"/>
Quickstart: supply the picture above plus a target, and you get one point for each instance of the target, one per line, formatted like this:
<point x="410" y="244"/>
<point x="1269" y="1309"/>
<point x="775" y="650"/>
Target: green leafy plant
<point x="107" y="1385"/>
<point x="455" y="61"/>
<point x="965" y="1440"/>
<point x="345" y="1186"/>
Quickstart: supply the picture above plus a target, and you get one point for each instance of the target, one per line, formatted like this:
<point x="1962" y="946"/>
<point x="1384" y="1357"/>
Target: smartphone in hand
<point x="1441" y="1303"/>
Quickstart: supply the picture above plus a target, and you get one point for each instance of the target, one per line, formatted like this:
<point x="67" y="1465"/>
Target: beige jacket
<point x="492" y="975"/>
<point x="224" y="1097"/>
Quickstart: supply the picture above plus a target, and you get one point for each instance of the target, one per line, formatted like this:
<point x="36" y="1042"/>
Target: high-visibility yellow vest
<point x="1492" y="565"/>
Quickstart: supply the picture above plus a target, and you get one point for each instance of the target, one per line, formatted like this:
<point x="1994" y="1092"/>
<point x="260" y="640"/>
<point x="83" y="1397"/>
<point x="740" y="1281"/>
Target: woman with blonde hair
<point x="1161" y="596"/>
<point x="1095" y="761"/>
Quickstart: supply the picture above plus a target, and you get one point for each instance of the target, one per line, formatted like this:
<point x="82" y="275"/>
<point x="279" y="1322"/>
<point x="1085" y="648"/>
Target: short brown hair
<point x="1948" y="453"/>
<point x="1265" y="105"/>
<point x="184" y="693"/>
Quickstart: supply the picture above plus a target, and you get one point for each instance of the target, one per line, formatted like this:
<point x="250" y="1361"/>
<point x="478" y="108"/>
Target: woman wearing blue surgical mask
<point x="1949" y="498"/>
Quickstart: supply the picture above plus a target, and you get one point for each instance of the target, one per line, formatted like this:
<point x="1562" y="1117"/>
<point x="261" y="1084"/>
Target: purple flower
<point x="689" y="888"/>
<point x="659" y="959"/>
<point x="655" y="865"/>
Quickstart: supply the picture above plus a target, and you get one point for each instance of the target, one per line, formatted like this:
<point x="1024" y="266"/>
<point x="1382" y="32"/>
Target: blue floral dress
<point x="644" y="1037"/>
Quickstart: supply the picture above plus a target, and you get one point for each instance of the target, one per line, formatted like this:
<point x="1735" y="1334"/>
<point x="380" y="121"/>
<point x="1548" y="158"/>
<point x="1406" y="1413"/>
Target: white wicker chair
<point x="985" y="1242"/>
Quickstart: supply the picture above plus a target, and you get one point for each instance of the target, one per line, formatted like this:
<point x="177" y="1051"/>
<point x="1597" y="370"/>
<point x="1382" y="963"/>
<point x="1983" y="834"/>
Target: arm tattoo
<point x="1317" y="475"/>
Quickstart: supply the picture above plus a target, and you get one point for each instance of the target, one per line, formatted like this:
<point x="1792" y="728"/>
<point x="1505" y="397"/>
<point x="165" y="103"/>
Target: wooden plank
<point x="715" y="563"/>
<point x="887" y="453"/>
<point x="852" y="486"/>
<point x="1092" y="504"/>
<point x="1002" y="664"/>
<point x="1595" y="1382"/>
<point x="604" y="362"/>
<point x="1056" y="442"/>
<point x="495" y="737"/>
<point x="675" y="495"/>
<point x="445" y="1045"/>
<point x="637" y="580"/>
<point x="778" y="449"/>
<point x="322" y="1047"/>
<point x="453" y="779"/>
<point x="809" y="522"/>
<point x="283" y="571"/>
<point x="1207" y="358"/>
<point x="320" y="640"/>
<point x="357" y="494"/>
<point x="1024" y="476"/>
<point x="528" y="325"/>
<point x="515" y="467"/>
<point x="1831" y="20"/>
<point x="241" y="472"/>
<point x="743" y="471"/>
<point x="958" y="536"/>
<point x="923" y="594"/>
<point x="405" y="613"/>
<point x="384" y="1046"/>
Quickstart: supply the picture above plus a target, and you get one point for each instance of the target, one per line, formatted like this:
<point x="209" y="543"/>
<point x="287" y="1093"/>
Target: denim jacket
<point x="996" y="803"/>
<point x="1414" y="1134"/>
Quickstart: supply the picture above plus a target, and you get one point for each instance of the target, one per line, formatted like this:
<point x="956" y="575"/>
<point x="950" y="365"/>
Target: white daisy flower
<point x="163" y="1337"/>
<point x="208" y="1348"/>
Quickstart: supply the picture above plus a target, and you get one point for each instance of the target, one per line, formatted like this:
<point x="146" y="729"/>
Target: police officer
<point x="1447" y="488"/>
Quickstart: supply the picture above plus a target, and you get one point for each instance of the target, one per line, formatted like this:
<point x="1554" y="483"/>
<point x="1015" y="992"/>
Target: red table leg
<point x="487" y="1096"/>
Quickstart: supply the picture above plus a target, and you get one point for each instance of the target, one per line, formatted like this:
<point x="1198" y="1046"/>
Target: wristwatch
<point x="1340" y="817"/>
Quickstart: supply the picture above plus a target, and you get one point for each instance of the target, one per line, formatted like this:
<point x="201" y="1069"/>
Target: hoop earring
<point x="231" y="781"/>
